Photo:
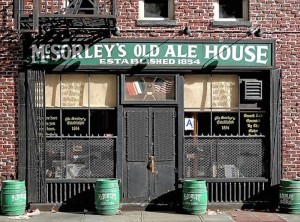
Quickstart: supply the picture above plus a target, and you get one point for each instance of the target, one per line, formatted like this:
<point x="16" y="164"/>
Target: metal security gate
<point x="234" y="167"/>
<point x="150" y="153"/>
<point x="32" y="134"/>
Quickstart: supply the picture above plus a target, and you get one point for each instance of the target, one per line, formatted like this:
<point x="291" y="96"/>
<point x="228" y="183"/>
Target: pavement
<point x="152" y="216"/>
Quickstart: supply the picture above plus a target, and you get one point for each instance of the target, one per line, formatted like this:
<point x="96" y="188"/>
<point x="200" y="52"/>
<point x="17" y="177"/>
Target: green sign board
<point x="154" y="54"/>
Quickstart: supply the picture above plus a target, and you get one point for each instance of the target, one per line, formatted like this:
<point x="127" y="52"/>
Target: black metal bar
<point x="22" y="127"/>
<point x="81" y="137"/>
<point x="66" y="16"/>
<point x="55" y="193"/>
<point x="36" y="14"/>
<point x="226" y="136"/>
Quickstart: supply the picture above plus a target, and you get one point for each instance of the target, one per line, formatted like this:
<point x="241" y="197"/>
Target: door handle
<point x="151" y="165"/>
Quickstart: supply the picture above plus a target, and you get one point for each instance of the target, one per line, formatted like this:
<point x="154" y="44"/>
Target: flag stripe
<point x="162" y="85"/>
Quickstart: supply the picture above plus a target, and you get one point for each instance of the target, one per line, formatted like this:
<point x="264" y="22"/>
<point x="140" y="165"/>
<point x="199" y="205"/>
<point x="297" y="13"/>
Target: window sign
<point x="52" y="123"/>
<point x="225" y="91"/>
<point x="253" y="123"/>
<point x="74" y="90"/>
<point x="189" y="123"/>
<point x="225" y="123"/>
<point x="75" y="122"/>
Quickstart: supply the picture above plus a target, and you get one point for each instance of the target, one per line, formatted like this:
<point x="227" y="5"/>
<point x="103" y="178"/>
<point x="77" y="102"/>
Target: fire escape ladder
<point x="74" y="7"/>
<point x="88" y="16"/>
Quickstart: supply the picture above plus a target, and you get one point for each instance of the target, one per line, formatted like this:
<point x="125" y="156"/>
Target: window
<point x="80" y="105"/>
<point x="231" y="10"/>
<point x="226" y="133"/>
<point x="145" y="89"/>
<point x="217" y="106"/>
<point x="156" y="10"/>
<point x="81" y="126"/>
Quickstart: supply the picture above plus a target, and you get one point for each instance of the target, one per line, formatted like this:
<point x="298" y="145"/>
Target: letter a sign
<point x="189" y="123"/>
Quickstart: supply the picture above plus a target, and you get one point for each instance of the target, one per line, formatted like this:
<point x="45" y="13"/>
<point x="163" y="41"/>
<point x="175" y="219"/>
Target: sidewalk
<point x="147" y="216"/>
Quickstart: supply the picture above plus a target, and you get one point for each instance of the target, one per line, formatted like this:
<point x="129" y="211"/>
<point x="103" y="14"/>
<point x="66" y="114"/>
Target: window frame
<point x="245" y="12"/>
<point x="87" y="108"/>
<point x="155" y="102"/>
<point x="142" y="12"/>
<point x="248" y="107"/>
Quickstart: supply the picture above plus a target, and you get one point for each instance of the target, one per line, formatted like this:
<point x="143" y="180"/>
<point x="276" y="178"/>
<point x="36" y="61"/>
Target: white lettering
<point x="170" y="51"/>
<point x="137" y="50"/>
<point x="122" y="51"/>
<point x="225" y="49"/>
<point x="37" y="52"/>
<point x="86" y="52"/>
<point x="65" y="52"/>
<point x="180" y="53"/>
<point x="208" y="52"/>
<point x="98" y="51"/>
<point x="234" y="53"/>
<point x="192" y="51"/>
<point x="262" y="52"/>
<point x="154" y="50"/>
<point x="76" y="50"/>
<point x="109" y="49"/>
<point x="250" y="53"/>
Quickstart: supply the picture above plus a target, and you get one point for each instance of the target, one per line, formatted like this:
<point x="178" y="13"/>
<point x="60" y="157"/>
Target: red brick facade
<point x="279" y="20"/>
<point x="10" y="64"/>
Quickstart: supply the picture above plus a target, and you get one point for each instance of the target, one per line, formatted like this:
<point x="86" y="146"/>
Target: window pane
<point x="149" y="88"/>
<point x="253" y="123"/>
<point x="225" y="123"/>
<point x="75" y="122"/>
<point x="197" y="91"/>
<point x="157" y="9"/>
<point x="103" y="90"/>
<point x="230" y="8"/>
<point x="53" y="123"/>
<point x="52" y="91"/>
<point x="225" y="92"/>
<point x="103" y="122"/>
<point x="201" y="123"/>
<point x="74" y="90"/>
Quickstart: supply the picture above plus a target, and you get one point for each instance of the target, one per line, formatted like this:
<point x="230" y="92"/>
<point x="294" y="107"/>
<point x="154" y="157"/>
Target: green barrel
<point x="289" y="196"/>
<point x="13" y="198"/>
<point x="107" y="196"/>
<point x="194" y="196"/>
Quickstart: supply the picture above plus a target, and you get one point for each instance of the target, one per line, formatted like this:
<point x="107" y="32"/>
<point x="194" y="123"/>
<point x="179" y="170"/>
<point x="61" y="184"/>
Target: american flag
<point x="163" y="85"/>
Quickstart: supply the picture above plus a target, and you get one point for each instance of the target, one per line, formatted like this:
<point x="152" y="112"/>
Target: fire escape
<point x="77" y="16"/>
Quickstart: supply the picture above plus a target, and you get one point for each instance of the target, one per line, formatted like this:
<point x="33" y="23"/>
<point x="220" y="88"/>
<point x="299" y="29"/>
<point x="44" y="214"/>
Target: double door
<point x="150" y="153"/>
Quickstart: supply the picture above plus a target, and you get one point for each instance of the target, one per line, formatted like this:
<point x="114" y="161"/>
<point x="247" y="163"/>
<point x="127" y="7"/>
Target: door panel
<point x="137" y="181"/>
<point x="164" y="180"/>
<point x="164" y="134"/>
<point x="137" y="135"/>
<point x="150" y="133"/>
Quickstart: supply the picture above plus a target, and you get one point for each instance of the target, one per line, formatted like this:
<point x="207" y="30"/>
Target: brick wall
<point x="278" y="19"/>
<point x="10" y="61"/>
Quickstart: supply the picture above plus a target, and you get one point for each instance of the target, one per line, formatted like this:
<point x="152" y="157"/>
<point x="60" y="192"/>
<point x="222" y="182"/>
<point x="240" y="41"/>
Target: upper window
<point x="231" y="10"/>
<point x="156" y="10"/>
<point x="80" y="90"/>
